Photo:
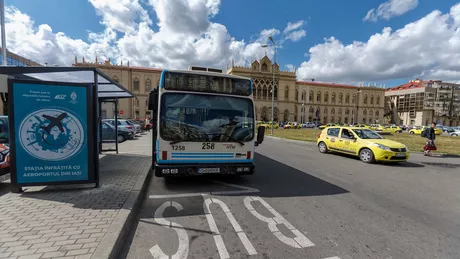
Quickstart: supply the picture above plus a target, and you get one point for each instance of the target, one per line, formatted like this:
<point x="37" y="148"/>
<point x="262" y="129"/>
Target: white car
<point x="455" y="133"/>
<point x="124" y="124"/>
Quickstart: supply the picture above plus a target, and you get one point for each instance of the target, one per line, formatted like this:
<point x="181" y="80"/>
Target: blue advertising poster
<point x="50" y="133"/>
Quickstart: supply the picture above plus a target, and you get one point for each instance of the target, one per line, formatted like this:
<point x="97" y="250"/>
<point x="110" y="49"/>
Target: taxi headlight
<point x="382" y="147"/>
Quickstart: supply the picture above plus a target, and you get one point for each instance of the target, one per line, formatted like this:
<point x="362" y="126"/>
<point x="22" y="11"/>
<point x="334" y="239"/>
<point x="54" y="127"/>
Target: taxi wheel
<point x="411" y="132"/>
<point x="322" y="147"/>
<point x="366" y="155"/>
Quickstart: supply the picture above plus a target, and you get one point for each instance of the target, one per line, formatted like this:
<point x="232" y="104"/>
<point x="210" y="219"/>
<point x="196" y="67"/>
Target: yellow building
<point x="336" y="102"/>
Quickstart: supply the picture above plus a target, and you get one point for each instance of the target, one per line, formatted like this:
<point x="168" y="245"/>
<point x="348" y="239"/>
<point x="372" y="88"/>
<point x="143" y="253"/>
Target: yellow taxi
<point x="418" y="130"/>
<point x="362" y="126"/>
<point x="328" y="125"/>
<point x="267" y="125"/>
<point x="377" y="127"/>
<point x="292" y="125"/>
<point x="393" y="129"/>
<point x="364" y="143"/>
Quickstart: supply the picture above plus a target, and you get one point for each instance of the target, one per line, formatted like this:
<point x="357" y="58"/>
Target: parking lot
<point x="303" y="204"/>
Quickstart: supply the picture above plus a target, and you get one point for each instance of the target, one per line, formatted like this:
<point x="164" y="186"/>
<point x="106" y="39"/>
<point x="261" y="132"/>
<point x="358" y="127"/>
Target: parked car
<point x="4" y="159"/>
<point x="123" y="124"/>
<point x="108" y="133"/>
<point x="4" y="139"/>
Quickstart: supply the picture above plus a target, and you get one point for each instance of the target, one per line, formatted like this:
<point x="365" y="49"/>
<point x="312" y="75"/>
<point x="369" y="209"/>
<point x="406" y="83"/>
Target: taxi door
<point x="348" y="142"/>
<point x="332" y="138"/>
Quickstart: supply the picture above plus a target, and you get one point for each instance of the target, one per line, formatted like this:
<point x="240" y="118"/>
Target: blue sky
<point x="245" y="20"/>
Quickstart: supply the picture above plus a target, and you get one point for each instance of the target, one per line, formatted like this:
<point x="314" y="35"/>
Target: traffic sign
<point x="121" y="112"/>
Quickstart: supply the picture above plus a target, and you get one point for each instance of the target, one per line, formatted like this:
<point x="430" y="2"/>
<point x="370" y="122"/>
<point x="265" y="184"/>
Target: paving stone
<point x="57" y="221"/>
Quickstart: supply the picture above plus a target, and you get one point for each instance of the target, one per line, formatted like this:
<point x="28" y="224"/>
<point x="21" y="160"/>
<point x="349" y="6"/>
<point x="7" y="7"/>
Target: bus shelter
<point x="55" y="122"/>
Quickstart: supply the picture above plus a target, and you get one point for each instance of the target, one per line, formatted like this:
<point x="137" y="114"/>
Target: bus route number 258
<point x="208" y="146"/>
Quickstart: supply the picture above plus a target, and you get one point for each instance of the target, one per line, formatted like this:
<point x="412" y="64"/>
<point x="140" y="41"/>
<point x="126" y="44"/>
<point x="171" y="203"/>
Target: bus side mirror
<point x="153" y="100"/>
<point x="260" y="134"/>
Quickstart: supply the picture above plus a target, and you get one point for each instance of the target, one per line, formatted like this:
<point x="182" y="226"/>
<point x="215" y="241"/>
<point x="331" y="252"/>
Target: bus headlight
<point x="165" y="171"/>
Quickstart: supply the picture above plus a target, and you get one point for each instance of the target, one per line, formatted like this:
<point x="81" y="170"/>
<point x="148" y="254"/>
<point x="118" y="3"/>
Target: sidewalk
<point x="76" y="221"/>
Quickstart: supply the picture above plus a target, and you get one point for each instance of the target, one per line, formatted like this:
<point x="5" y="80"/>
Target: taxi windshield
<point x="367" y="134"/>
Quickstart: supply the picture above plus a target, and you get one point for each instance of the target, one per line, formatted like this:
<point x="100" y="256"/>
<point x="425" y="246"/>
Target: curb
<point x="112" y="243"/>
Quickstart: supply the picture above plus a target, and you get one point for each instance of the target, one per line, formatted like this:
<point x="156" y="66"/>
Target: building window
<point x="378" y="100"/>
<point x="318" y="97"/>
<point x="148" y="85"/>
<point x="332" y="111"/>
<point x="354" y="99"/>
<point x="365" y="112"/>
<point x="264" y="92"/>
<point x="296" y="95"/>
<point x="137" y="102"/>
<point x="377" y="113"/>
<point x="286" y="93"/>
<point x="333" y="98"/>
<point x="276" y="93"/>
<point x="347" y="111"/>
<point x="115" y="78"/>
<point x="136" y="84"/>
<point x="340" y="98"/>
<point x="340" y="111"/>
<point x="304" y="95"/>
<point x="264" y="67"/>
<point x="372" y="99"/>
<point x="365" y="99"/>
<point x="310" y="98"/>
<point x="325" y="110"/>
<point x="326" y="97"/>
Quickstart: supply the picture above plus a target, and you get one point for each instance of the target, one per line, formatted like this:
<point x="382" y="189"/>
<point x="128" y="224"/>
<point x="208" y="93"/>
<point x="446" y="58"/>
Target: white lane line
<point x="245" y="190"/>
<point x="183" y="248"/>
<point x="334" y="257"/>
<point x="299" y="241"/>
<point x="236" y="227"/>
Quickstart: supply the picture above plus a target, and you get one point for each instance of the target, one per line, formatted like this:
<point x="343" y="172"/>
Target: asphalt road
<point x="303" y="204"/>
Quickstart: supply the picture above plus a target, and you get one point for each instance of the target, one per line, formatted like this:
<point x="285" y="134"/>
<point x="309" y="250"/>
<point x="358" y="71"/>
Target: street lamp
<point x="302" y="120"/>
<point x="273" y="85"/>
<point x="357" y="104"/>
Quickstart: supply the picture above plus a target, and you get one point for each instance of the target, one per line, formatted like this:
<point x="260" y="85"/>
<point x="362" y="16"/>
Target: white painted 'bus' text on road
<point x="217" y="237"/>
<point x="182" y="251"/>
<point x="298" y="242"/>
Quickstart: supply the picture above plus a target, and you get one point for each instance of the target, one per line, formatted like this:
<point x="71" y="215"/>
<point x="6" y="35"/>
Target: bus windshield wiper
<point x="230" y="138"/>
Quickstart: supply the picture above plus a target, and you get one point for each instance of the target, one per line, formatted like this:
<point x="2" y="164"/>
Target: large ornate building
<point x="294" y="100"/>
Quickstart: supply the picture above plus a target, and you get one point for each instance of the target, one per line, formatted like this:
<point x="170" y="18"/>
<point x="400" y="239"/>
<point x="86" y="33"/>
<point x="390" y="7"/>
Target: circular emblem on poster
<point x="51" y="134"/>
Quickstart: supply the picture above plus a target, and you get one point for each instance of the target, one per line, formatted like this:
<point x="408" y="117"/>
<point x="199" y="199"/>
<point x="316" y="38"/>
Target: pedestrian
<point x="430" y="136"/>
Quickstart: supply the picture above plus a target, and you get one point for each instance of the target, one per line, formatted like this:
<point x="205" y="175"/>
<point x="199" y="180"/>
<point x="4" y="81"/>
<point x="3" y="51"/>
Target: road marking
<point x="182" y="250"/>
<point x="299" y="241"/>
<point x="245" y="190"/>
<point x="334" y="257"/>
<point x="217" y="237"/>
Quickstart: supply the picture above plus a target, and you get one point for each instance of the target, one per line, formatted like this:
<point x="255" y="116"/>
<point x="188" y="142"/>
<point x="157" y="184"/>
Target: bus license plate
<point x="400" y="154"/>
<point x="208" y="170"/>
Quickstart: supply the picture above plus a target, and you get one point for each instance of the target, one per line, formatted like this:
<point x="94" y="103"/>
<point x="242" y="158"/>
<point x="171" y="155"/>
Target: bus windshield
<point x="203" y="117"/>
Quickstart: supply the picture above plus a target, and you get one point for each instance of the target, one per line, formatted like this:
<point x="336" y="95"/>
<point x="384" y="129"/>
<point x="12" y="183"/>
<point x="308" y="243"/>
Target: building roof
<point x="410" y="85"/>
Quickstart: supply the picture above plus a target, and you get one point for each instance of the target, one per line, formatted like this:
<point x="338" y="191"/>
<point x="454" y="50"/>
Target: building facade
<point x="294" y="100"/>
<point x="299" y="100"/>
<point x="423" y="102"/>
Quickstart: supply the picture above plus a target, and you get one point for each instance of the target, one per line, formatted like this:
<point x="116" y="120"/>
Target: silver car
<point x="123" y="124"/>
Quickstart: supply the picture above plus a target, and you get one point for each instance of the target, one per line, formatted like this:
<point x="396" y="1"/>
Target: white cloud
<point x="390" y="8"/>
<point x="290" y="67"/>
<point x="190" y="38"/>
<point x="294" y="31"/>
<point x="427" y="48"/>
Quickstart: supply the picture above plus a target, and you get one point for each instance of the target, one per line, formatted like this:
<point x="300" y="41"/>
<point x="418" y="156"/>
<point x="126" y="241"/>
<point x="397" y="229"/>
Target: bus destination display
<point x="206" y="83"/>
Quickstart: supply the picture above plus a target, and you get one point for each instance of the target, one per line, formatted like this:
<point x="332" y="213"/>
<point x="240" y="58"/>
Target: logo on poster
<point x="73" y="96"/>
<point x="51" y="134"/>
